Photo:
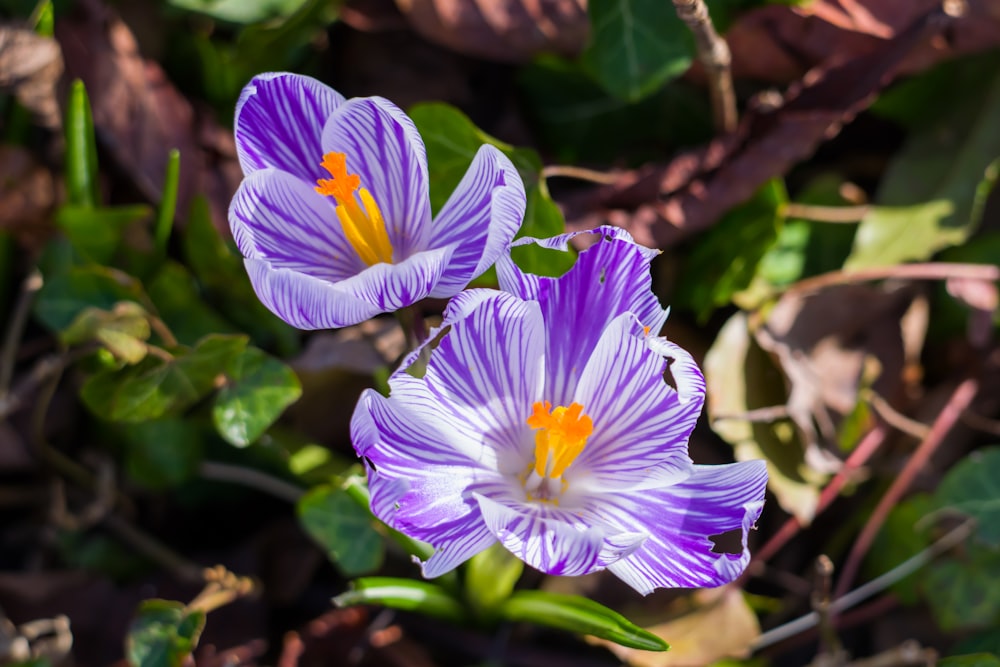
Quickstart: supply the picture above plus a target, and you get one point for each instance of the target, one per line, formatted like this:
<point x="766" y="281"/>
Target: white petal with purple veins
<point x="385" y="150"/>
<point x="279" y="123"/>
<point x="480" y="218"/>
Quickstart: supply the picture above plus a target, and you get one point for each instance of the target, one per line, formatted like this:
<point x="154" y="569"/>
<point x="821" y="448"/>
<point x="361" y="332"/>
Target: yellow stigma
<point x="364" y="229"/>
<point x="562" y="435"/>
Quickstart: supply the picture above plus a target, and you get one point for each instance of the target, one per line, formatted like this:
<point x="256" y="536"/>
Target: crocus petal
<point x="278" y="218"/>
<point x="395" y="286"/>
<point x="680" y="519"/>
<point x="609" y="278"/>
<point x="641" y="428"/>
<point x="419" y="476"/>
<point x="383" y="147"/>
<point x="688" y="380"/>
<point x="483" y="377"/>
<point x="553" y="540"/>
<point x="307" y="302"/>
<point x="480" y="218"/>
<point x="279" y="121"/>
<point x="527" y="285"/>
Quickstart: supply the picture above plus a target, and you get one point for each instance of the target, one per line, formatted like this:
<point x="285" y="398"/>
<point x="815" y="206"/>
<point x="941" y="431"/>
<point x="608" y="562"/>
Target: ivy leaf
<point x="973" y="487"/>
<point x="343" y="528"/>
<point x="258" y="390"/>
<point x="163" y="634"/>
<point x="636" y="46"/>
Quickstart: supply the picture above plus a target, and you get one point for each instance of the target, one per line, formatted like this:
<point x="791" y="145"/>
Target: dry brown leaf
<point x="139" y="115"/>
<point x="722" y="626"/>
<point x="30" y="67"/>
<point x="28" y="193"/>
<point x="504" y="31"/>
<point x="823" y="342"/>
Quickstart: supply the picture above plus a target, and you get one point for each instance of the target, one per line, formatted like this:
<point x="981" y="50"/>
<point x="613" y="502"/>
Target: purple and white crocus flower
<point x="333" y="216"/>
<point x="542" y="420"/>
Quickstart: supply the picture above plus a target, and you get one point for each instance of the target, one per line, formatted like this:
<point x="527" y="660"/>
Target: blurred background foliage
<point x="833" y="261"/>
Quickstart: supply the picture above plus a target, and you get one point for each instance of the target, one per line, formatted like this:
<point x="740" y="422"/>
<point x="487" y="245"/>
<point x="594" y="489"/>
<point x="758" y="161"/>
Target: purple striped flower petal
<point x="554" y="540"/>
<point x="395" y="286"/>
<point x="309" y="302"/>
<point x="279" y="123"/>
<point x="483" y="377"/>
<point x="641" y="428"/>
<point x="420" y="476"/>
<point x="303" y="301"/>
<point x="609" y="278"/>
<point x="278" y="218"/>
<point x="480" y="218"/>
<point x="680" y="519"/>
<point x="385" y="150"/>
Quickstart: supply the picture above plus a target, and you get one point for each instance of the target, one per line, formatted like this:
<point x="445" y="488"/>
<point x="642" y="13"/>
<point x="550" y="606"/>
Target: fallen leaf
<point x="30" y="67"/>
<point x="28" y="194"/>
<point x="721" y="626"/>
<point x="502" y="31"/>
<point x="140" y="116"/>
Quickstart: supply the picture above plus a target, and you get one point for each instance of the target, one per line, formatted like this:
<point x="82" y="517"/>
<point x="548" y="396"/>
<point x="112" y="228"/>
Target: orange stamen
<point x="365" y="229"/>
<point x="562" y="435"/>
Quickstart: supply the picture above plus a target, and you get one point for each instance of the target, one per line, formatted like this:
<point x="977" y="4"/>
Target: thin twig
<point x="714" y="55"/>
<point x="950" y="414"/>
<point x="834" y="214"/>
<point x="953" y="538"/>
<point x="894" y="417"/>
<point x="255" y="479"/>
<point x="864" y="451"/>
<point x="154" y="550"/>
<point x="567" y="171"/>
<point x="8" y="356"/>
<point x="928" y="271"/>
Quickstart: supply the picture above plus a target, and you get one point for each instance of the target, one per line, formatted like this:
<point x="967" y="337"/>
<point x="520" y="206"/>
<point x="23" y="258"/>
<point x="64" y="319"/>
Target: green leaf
<point x="121" y="330"/>
<point x="964" y="593"/>
<point x="241" y="11"/>
<point x="636" y="46"/>
<point x="168" y="202"/>
<point x="932" y="194"/>
<point x="725" y="259"/>
<point x="577" y="121"/>
<point x="420" y="596"/>
<point x="258" y="390"/>
<point x="490" y="577"/>
<point x="181" y="305"/>
<point x="972" y="660"/>
<point x="97" y="232"/>
<point x="81" y="149"/>
<point x="899" y="540"/>
<point x="973" y="487"/>
<point x="343" y="528"/>
<point x="452" y="141"/>
<point x="66" y="294"/>
<point x="580" y="615"/>
<point x="155" y="387"/>
<point x="162" y="453"/>
<point x="163" y="634"/>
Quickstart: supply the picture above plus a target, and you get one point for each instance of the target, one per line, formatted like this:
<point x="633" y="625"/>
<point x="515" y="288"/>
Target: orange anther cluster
<point x="562" y="435"/>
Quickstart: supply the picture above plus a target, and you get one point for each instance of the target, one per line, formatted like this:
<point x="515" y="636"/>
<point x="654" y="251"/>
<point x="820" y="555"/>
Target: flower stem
<point x="414" y="327"/>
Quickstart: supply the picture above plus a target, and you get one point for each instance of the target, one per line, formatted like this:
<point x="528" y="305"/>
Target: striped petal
<point x="278" y="218"/>
<point x="553" y="540"/>
<point x="483" y="377"/>
<point x="680" y="519"/>
<point x="609" y="278"/>
<point x="480" y="218"/>
<point x="279" y="123"/>
<point x="383" y="147"/>
<point x="308" y="302"/>
<point x="420" y="477"/>
<point x="641" y="427"/>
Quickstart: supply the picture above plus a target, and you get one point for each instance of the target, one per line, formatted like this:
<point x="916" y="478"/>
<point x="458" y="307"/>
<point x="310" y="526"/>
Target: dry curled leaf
<point x="30" y="67"/>
<point x="504" y="31"/>
<point x="140" y="116"/>
<point x="28" y="193"/>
